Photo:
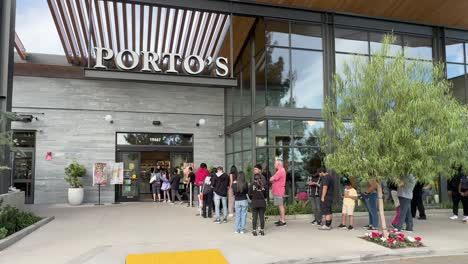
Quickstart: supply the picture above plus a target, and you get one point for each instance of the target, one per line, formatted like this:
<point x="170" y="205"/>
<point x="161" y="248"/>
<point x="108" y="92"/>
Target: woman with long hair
<point x="166" y="186"/>
<point x="240" y="189"/>
<point x="258" y="194"/>
<point x="232" y="178"/>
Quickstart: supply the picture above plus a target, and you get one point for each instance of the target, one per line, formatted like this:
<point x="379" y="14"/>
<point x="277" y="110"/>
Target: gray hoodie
<point x="406" y="191"/>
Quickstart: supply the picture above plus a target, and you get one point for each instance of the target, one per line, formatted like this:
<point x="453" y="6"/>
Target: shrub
<point x="13" y="220"/>
<point x="74" y="171"/>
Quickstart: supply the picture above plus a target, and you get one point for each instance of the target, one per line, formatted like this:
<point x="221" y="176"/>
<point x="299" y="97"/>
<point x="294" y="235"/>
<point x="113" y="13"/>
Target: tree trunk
<point x="383" y="224"/>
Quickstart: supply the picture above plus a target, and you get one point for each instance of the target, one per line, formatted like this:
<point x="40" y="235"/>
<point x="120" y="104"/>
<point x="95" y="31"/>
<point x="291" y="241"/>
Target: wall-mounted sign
<point x="193" y="64"/>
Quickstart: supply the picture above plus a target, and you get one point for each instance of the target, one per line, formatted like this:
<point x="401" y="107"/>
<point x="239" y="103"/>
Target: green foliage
<point x="249" y="173"/>
<point x="402" y="120"/>
<point x="13" y="220"/>
<point x="74" y="172"/>
<point x="6" y="140"/>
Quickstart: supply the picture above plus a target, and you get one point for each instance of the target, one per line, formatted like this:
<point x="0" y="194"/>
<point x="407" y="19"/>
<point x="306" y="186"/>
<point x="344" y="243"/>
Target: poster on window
<point x="116" y="176"/>
<point x="100" y="174"/>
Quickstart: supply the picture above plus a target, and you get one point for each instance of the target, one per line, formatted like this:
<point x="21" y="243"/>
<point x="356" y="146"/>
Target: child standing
<point x="166" y="186"/>
<point x="349" y="198"/>
<point x="258" y="194"/>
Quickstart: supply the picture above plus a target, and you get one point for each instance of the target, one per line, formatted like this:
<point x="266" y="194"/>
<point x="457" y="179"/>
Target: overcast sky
<point x="35" y="27"/>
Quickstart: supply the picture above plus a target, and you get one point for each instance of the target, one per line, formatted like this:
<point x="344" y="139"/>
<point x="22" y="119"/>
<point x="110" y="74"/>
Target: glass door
<point x="23" y="172"/>
<point x="129" y="190"/>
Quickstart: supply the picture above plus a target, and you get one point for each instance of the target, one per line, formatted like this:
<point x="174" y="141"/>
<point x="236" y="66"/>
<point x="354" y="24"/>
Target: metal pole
<point x="90" y="17"/>
<point x="231" y="47"/>
<point x="191" y="195"/>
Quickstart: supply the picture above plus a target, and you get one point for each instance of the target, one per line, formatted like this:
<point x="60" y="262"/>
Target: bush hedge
<point x="13" y="220"/>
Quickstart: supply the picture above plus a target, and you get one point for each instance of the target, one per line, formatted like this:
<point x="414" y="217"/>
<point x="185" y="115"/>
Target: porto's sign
<point x="192" y="64"/>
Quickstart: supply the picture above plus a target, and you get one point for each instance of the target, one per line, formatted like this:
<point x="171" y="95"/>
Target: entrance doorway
<point x="140" y="152"/>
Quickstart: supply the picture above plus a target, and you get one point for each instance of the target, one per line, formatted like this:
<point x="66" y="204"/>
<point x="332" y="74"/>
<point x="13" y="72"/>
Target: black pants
<point x="456" y="198"/>
<point x="256" y="213"/>
<point x="465" y="205"/>
<point x="174" y="194"/>
<point x="207" y="203"/>
<point x="417" y="203"/>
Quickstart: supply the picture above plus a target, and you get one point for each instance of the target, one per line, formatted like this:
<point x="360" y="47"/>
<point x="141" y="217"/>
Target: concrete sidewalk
<point x="106" y="234"/>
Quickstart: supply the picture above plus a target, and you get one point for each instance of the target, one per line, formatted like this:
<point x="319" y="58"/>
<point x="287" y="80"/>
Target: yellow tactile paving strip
<point x="211" y="256"/>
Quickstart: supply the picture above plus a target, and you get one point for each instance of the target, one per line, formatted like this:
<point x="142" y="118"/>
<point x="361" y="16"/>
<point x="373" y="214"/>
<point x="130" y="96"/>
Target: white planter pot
<point x="75" y="196"/>
<point x="436" y="198"/>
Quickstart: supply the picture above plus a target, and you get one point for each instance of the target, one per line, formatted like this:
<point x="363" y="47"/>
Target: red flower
<point x="419" y="239"/>
<point x="375" y="234"/>
<point x="401" y="239"/>
<point x="390" y="240"/>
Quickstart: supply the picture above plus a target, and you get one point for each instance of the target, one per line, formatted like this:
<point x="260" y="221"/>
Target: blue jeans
<point x="217" y="200"/>
<point x="405" y="214"/>
<point x="241" y="215"/>
<point x="370" y="201"/>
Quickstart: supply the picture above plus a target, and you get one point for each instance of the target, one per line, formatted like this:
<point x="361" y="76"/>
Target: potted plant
<point x="74" y="172"/>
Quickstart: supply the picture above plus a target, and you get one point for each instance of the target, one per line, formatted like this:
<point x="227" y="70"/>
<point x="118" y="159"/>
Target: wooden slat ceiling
<point x="137" y="27"/>
<point x="451" y="13"/>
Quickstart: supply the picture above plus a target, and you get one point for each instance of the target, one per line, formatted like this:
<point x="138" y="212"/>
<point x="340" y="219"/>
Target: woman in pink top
<point x="278" y="182"/>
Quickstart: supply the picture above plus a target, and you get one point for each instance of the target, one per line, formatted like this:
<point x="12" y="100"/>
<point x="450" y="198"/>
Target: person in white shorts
<point x="349" y="202"/>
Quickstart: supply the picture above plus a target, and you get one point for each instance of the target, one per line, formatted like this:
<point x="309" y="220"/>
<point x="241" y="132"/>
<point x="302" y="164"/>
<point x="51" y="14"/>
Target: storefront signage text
<point x="151" y="62"/>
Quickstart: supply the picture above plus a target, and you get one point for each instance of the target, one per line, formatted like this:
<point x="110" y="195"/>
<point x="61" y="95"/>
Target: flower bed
<point x="394" y="240"/>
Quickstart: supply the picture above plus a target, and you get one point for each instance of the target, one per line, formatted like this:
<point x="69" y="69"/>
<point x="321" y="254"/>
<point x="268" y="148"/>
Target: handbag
<point x="153" y="179"/>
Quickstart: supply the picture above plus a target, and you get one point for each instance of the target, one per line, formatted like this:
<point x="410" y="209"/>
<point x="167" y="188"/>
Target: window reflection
<point x="456" y="75"/>
<point x="454" y="51"/>
<point x="260" y="92"/>
<point x="306" y="36"/>
<point x="279" y="132"/>
<point x="351" y="41"/>
<point x="261" y="133"/>
<point x="278" y="81"/>
<point x="237" y="141"/>
<point x="306" y="133"/>
<point x="277" y="33"/>
<point x="246" y="138"/>
<point x="418" y="48"/>
<point x="307" y="79"/>
<point x="376" y="43"/>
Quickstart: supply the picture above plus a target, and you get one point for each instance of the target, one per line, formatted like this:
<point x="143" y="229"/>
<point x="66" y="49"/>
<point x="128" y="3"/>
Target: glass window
<point x="24" y="139"/>
<point x="229" y="140"/>
<point x="229" y="111"/>
<point x="306" y="163"/>
<point x="236" y="101"/>
<point x="307" y="79"/>
<point x="376" y="40"/>
<point x="246" y="138"/>
<point x="229" y="161"/>
<point x="306" y="36"/>
<point x="278" y="81"/>
<point x="246" y="101"/>
<point x="238" y="160"/>
<point x="341" y="59"/>
<point x="279" y="132"/>
<point x="418" y="48"/>
<point x="352" y="41"/>
<point x="260" y="92"/>
<point x="262" y="157"/>
<point x="306" y="133"/>
<point x="261" y="133"/>
<point x="454" y="51"/>
<point x="277" y="33"/>
<point x="456" y="75"/>
<point x="246" y="163"/>
<point x="260" y="37"/>
<point x="237" y="141"/>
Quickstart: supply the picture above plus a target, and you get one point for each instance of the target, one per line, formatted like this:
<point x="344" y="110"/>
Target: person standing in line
<point x="326" y="198"/>
<point x="220" y="185"/>
<point x="463" y="190"/>
<point x="155" y="182"/>
<point x="453" y="192"/>
<point x="166" y="185"/>
<point x="200" y="176"/>
<point x="369" y="195"/>
<point x="278" y="182"/>
<point x="417" y="201"/>
<point x="405" y="194"/>
<point x="175" y="181"/>
<point x="258" y="170"/>
<point x="190" y="185"/>
<point x="258" y="194"/>
<point x="394" y="194"/>
<point x="231" y="199"/>
<point x="240" y="189"/>
<point x="313" y="186"/>
<point x="207" y="191"/>
<point x="350" y="197"/>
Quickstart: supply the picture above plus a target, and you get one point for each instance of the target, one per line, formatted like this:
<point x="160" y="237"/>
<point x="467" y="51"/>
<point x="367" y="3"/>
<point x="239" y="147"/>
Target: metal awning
<point x="138" y="27"/>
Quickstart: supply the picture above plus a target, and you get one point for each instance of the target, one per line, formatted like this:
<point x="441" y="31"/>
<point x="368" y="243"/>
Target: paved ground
<point x="431" y="260"/>
<point x="106" y="234"/>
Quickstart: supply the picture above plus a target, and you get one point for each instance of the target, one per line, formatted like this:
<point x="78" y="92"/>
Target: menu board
<point x="100" y="174"/>
<point x="117" y="174"/>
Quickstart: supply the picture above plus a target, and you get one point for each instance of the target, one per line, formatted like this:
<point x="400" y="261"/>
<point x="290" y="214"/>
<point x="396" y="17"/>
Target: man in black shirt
<point x="452" y="188"/>
<point x="326" y="194"/>
<point x="190" y="184"/>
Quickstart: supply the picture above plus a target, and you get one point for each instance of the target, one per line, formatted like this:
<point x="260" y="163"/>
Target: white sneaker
<point x="454" y="217"/>
<point x="465" y="218"/>
<point x="242" y="232"/>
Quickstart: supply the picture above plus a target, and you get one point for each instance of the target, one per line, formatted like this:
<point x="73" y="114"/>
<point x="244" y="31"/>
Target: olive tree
<point x="393" y="117"/>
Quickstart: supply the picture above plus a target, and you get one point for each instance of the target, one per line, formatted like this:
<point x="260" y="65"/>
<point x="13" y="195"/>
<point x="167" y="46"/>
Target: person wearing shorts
<point x="278" y="183"/>
<point x="349" y="202"/>
<point x="326" y="194"/>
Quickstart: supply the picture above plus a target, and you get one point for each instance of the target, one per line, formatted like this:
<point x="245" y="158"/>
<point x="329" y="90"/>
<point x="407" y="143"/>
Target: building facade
<point x="281" y="64"/>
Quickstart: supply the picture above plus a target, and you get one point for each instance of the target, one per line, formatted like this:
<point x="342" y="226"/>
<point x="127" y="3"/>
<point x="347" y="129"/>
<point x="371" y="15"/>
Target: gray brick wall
<point x="72" y="126"/>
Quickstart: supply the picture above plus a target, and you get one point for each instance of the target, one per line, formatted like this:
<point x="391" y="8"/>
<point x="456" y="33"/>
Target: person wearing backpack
<point x="240" y="189"/>
<point x="463" y="190"/>
<point x="220" y="184"/>
<point x="258" y="194"/>
<point x="207" y="192"/>
<point x="155" y="182"/>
